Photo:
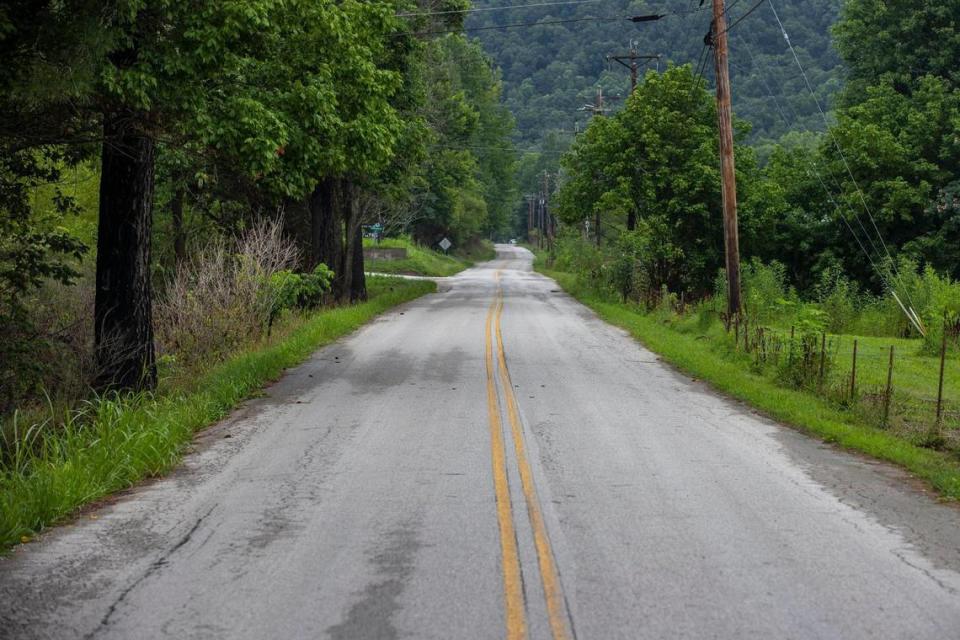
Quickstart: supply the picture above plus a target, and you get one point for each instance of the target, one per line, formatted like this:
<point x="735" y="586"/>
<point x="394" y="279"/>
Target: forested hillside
<point x="552" y="71"/>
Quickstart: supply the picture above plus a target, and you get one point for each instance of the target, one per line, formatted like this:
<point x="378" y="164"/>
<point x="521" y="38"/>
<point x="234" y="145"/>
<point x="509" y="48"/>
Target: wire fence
<point x="893" y="383"/>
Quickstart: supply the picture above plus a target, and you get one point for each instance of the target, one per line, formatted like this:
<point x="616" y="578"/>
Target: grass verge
<point x="796" y="408"/>
<point x="112" y="443"/>
<point x="421" y="261"/>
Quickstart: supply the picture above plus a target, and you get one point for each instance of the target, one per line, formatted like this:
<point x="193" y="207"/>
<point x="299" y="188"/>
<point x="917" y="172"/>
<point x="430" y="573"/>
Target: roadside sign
<point x="445" y="244"/>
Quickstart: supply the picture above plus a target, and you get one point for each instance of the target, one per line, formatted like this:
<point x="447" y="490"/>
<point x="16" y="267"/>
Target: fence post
<point x="886" y="397"/>
<point x="823" y="354"/>
<point x="853" y="372"/>
<point x="943" y="360"/>
<point x="790" y="355"/>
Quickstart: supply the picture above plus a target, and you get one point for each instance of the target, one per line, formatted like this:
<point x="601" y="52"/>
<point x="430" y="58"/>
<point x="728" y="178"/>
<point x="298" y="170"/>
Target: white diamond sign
<point x="445" y="244"/>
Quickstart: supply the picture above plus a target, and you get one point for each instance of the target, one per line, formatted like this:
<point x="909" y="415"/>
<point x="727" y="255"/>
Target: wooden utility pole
<point x="529" y="216"/>
<point x="546" y="208"/>
<point x="598" y="108"/>
<point x="541" y="205"/>
<point x="630" y="61"/>
<point x="731" y="235"/>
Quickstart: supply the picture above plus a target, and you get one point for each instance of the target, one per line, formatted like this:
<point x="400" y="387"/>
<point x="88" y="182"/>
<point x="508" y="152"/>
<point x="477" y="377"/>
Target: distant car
<point x="513" y="241"/>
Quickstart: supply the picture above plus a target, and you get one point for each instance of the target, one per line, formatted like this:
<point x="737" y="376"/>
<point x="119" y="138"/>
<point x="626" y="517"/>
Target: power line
<point x="485" y="9"/>
<point x="472" y="147"/>
<point x="701" y="63"/>
<point x="815" y="173"/>
<point x="863" y="199"/>
<point x="744" y="16"/>
<point x="653" y="17"/>
<point x="517" y="25"/>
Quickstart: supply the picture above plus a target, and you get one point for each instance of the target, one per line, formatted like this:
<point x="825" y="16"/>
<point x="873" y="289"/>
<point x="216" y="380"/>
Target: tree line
<point x="202" y="117"/>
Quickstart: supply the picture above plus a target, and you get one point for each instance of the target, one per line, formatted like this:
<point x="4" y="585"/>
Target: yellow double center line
<point x="512" y="578"/>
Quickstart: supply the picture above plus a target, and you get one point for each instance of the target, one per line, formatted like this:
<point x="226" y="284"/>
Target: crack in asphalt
<point x="155" y="566"/>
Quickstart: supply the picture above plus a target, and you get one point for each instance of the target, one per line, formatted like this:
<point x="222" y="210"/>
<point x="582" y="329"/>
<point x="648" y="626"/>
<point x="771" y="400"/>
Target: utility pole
<point x="529" y="215"/>
<point x="548" y="217"/>
<point x="731" y="236"/>
<point x="598" y="108"/>
<point x="541" y="203"/>
<point x="632" y="58"/>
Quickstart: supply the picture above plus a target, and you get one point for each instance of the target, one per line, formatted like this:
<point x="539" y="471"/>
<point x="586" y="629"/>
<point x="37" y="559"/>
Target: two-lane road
<point x="494" y="461"/>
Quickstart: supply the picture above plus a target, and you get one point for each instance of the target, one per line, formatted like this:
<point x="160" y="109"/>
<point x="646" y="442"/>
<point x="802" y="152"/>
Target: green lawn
<point x="915" y="381"/>
<point x="113" y="443"/>
<point x="708" y="355"/>
<point x="421" y="261"/>
<point x="914" y="373"/>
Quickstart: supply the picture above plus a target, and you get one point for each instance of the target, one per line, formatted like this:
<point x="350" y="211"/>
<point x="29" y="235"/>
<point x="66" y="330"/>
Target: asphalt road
<point x="404" y="484"/>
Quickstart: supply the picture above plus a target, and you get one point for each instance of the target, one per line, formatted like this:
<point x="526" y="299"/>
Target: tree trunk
<point x="179" y="235"/>
<point x="632" y="220"/>
<point x="123" y="331"/>
<point x="358" y="292"/>
<point x="355" y="282"/>
<point x="326" y="231"/>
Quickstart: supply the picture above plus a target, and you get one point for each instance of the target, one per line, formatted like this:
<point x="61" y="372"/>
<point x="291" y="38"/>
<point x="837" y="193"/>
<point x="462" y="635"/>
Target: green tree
<point x="654" y="166"/>
<point x="280" y="94"/>
<point x="901" y="40"/>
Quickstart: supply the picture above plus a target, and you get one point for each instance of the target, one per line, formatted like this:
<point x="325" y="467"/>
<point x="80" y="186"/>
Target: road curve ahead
<point x="493" y="461"/>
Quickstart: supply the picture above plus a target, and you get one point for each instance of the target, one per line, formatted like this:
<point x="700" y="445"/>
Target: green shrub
<point x="839" y="298"/>
<point x="299" y="290"/>
<point x="766" y="295"/>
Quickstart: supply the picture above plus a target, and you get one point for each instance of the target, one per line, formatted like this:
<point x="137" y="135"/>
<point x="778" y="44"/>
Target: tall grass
<point x="51" y="468"/>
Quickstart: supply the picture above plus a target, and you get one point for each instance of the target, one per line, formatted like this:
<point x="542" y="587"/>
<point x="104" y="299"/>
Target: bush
<point x="799" y="366"/>
<point x="222" y="299"/>
<point x="839" y="298"/>
<point x="299" y="290"/>
<point x="932" y="296"/>
<point x="46" y="346"/>
<point x="576" y="255"/>
<point x="766" y="295"/>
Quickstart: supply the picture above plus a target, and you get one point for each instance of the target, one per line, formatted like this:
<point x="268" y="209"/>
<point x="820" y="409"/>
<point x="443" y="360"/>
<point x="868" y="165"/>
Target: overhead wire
<point x="514" y="25"/>
<point x="473" y="147"/>
<point x="701" y="69"/>
<point x="811" y="170"/>
<point x="911" y="313"/>
<point x="634" y="18"/>
<point x="413" y="14"/>
<point x="742" y="17"/>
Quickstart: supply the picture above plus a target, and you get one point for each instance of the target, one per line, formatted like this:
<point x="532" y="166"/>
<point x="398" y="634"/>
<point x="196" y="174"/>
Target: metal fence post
<point x="886" y="398"/>
<point x="823" y="354"/>
<point x="853" y="372"/>
<point x="943" y="360"/>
